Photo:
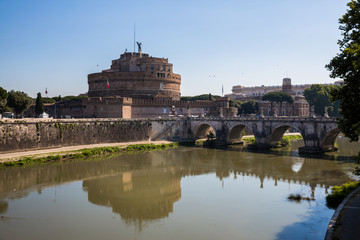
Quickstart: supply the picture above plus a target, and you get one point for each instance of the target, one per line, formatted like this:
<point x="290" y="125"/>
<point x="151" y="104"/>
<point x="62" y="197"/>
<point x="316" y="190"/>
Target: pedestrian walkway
<point x="14" y="156"/>
<point x="345" y="223"/>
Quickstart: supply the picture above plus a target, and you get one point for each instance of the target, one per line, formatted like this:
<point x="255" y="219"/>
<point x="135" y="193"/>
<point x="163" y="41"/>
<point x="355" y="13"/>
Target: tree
<point x="18" y="101"/>
<point x="249" y="107"/>
<point x="39" y="105"/>
<point x="278" y="97"/>
<point x="57" y="99"/>
<point x="234" y="103"/>
<point x="3" y="100"/>
<point x="318" y="95"/>
<point x="48" y="100"/>
<point x="346" y="65"/>
<point x="200" y="97"/>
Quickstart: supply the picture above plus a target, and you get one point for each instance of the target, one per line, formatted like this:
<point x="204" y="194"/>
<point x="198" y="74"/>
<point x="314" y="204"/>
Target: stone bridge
<point x="319" y="134"/>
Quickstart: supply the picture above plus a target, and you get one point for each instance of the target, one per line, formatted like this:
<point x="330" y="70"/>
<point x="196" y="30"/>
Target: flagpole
<point x="107" y="97"/>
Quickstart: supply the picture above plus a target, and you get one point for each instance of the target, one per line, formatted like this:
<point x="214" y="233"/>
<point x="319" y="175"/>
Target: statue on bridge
<point x="312" y="112"/>
<point x="261" y="112"/>
<point x="276" y="110"/>
<point x="326" y="114"/>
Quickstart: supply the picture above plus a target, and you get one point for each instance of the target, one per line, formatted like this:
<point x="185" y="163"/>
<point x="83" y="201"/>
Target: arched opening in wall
<point x="237" y="132"/>
<point x="329" y="140"/>
<point x="204" y="131"/>
<point x="283" y="135"/>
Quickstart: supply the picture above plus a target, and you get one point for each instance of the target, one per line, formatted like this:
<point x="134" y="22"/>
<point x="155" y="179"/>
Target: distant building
<point x="300" y="107"/>
<point x="245" y="93"/>
<point x="136" y="75"/>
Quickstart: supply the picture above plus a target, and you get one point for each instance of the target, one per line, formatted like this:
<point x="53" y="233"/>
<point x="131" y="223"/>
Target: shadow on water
<point x="343" y="155"/>
<point x="315" y="220"/>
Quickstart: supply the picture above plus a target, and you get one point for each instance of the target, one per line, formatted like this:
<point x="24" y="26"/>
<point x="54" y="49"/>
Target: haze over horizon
<point x="56" y="44"/>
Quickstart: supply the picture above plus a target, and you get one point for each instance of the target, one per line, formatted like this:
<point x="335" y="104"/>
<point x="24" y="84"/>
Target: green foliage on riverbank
<point x="339" y="193"/>
<point x="84" y="153"/>
<point x="285" y="141"/>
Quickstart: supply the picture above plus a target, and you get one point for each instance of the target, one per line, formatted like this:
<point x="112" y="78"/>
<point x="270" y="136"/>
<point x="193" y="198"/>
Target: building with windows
<point x="136" y="75"/>
<point x="244" y="93"/>
<point x="300" y="107"/>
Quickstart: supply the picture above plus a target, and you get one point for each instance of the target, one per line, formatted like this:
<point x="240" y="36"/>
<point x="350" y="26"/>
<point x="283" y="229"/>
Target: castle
<point x="141" y="86"/>
<point x="136" y="86"/>
<point x="136" y="75"/>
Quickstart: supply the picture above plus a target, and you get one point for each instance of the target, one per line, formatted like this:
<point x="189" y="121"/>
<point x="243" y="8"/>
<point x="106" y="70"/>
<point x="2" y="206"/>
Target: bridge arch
<point x="328" y="141"/>
<point x="236" y="132"/>
<point x="277" y="134"/>
<point x="202" y="130"/>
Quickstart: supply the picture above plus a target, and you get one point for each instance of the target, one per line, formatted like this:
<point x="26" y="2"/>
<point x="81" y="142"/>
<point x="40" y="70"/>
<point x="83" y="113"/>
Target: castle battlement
<point x="187" y="104"/>
<point x="136" y="75"/>
<point x="107" y="100"/>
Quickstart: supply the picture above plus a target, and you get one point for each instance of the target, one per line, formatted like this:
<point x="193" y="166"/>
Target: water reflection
<point x="142" y="188"/>
<point x="136" y="195"/>
<point x="145" y="186"/>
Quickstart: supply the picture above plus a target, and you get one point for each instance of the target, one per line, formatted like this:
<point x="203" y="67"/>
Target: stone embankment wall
<point x="170" y="129"/>
<point x="29" y="134"/>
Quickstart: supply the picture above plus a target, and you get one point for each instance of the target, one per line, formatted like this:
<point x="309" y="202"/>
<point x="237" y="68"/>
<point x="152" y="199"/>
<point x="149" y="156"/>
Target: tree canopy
<point x="73" y="98"/>
<point x="278" y="97"/>
<point x="234" y="103"/>
<point x="39" y="105"/>
<point x="48" y="100"/>
<point x="18" y="101"/>
<point x="200" y="97"/>
<point x="318" y="95"/>
<point x="249" y="107"/>
<point x="346" y="65"/>
<point x="3" y="100"/>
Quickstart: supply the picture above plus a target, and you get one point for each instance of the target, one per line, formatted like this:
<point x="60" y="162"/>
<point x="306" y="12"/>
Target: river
<point x="184" y="193"/>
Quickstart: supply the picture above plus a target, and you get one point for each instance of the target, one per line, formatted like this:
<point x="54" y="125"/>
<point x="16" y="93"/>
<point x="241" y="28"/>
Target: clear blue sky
<point x="57" y="43"/>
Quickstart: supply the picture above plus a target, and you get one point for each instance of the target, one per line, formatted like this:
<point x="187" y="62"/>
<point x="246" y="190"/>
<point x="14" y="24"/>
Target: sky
<point x="55" y="44"/>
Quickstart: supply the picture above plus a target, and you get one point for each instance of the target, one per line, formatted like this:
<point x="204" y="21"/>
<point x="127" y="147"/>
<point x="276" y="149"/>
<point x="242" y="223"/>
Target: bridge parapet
<point x="319" y="133"/>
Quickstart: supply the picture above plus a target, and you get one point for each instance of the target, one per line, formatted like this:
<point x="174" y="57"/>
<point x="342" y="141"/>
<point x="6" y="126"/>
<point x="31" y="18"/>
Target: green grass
<point x="85" y="153"/>
<point x="249" y="140"/>
<point x="339" y="193"/>
<point x="285" y="141"/>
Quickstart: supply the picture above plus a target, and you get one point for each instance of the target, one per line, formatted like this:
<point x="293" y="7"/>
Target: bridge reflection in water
<point x="144" y="187"/>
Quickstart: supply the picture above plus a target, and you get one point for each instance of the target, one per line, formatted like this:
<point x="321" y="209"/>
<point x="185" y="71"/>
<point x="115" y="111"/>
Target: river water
<point x="184" y="193"/>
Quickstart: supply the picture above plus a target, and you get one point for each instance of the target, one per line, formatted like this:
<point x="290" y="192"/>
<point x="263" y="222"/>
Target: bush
<point x="339" y="193"/>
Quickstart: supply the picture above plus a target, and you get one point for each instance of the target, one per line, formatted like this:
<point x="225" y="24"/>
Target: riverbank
<point x="346" y="219"/>
<point x="17" y="156"/>
<point x="73" y="150"/>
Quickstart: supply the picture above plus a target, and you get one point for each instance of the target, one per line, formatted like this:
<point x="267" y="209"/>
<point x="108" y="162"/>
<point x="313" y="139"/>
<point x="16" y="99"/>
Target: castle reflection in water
<point x="145" y="186"/>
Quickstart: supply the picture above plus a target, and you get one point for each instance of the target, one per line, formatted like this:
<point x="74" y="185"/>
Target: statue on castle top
<point x="139" y="46"/>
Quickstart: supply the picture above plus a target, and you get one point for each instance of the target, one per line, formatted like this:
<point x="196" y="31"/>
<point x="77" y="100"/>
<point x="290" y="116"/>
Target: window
<point x="160" y="75"/>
